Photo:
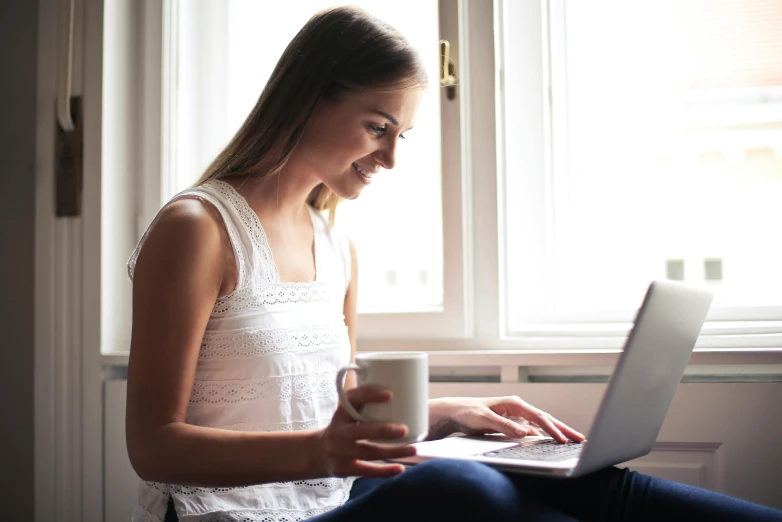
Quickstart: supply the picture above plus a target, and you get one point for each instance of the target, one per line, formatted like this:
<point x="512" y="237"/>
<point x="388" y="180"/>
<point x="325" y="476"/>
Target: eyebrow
<point x="386" y="116"/>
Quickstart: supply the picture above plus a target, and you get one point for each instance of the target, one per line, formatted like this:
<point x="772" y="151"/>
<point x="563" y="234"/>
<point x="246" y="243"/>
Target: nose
<point x="386" y="155"/>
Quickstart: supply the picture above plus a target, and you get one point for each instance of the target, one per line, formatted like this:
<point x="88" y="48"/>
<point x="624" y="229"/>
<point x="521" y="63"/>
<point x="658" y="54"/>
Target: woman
<point x="244" y="308"/>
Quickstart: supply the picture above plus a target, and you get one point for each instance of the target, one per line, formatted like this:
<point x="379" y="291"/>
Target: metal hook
<point x="65" y="66"/>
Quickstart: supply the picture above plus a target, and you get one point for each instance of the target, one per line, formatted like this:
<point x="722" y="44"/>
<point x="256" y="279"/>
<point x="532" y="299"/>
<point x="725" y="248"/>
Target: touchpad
<point x="463" y="446"/>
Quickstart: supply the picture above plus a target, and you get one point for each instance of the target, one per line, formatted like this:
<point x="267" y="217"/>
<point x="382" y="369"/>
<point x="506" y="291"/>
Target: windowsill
<point x="526" y="358"/>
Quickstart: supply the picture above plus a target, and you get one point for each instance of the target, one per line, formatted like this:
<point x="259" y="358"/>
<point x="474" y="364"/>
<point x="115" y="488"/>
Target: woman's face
<point x="346" y="143"/>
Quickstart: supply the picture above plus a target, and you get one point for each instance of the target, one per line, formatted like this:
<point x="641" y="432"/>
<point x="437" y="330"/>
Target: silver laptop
<point x="632" y="410"/>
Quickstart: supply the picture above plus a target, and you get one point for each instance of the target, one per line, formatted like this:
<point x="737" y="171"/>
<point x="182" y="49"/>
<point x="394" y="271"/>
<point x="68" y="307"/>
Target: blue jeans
<point x="460" y="490"/>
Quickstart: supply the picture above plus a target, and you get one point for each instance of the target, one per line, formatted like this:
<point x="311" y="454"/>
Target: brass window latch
<point x="447" y="70"/>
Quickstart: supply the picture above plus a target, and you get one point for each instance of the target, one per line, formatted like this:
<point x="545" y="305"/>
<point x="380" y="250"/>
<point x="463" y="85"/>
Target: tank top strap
<point x="240" y="243"/>
<point x="262" y="264"/>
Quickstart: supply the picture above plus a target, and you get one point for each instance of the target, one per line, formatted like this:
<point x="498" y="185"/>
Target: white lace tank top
<point x="268" y="362"/>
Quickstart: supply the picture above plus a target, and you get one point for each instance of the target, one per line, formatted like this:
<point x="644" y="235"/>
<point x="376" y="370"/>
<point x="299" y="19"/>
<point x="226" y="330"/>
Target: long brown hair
<point x="340" y="50"/>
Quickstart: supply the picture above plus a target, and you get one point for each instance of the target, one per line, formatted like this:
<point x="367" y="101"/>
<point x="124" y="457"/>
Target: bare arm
<point x="179" y="274"/>
<point x="351" y="314"/>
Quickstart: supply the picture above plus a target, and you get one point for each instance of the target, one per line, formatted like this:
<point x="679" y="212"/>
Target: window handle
<point x="447" y="69"/>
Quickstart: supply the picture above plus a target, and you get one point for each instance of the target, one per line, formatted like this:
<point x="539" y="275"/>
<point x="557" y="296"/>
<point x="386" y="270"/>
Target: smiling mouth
<point x="363" y="174"/>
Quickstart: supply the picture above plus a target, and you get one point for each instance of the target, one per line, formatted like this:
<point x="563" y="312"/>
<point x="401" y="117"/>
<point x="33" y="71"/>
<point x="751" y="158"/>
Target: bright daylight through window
<point x="666" y="161"/>
<point x="220" y="58"/>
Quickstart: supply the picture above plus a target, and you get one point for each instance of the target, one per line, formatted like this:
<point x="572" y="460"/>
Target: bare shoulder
<point x="187" y="234"/>
<point x="190" y="215"/>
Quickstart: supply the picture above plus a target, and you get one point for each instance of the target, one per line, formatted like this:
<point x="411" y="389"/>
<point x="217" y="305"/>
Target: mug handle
<point x="343" y="398"/>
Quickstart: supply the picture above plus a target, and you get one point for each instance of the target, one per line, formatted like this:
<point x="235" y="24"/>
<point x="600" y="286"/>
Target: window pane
<point x="667" y="161"/>
<point x="227" y="50"/>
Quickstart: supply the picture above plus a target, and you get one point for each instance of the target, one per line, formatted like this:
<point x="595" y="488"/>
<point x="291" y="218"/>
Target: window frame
<point x="544" y="82"/>
<point x="454" y="318"/>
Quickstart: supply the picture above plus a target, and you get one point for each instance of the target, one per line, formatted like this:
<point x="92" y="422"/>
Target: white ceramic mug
<point x="406" y="375"/>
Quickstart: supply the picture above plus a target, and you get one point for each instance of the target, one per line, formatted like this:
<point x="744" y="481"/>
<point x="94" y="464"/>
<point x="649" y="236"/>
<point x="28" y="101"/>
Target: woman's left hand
<point x="510" y="416"/>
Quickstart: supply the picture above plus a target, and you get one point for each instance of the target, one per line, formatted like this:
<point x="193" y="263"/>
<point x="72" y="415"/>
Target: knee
<point x="469" y="482"/>
<point x="446" y="469"/>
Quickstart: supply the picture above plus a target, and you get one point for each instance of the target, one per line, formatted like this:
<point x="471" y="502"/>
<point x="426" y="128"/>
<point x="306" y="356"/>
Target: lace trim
<point x="266" y="342"/>
<point x="233" y="235"/>
<point x="282" y="426"/>
<point x="159" y="486"/>
<point x="324" y="483"/>
<point x="287" y="515"/>
<point x="255" y="298"/>
<point x="253" y="224"/>
<point x="276" y="388"/>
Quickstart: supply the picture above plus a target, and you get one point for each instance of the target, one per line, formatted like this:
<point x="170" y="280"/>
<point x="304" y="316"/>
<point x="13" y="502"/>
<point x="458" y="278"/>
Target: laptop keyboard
<point x="546" y="450"/>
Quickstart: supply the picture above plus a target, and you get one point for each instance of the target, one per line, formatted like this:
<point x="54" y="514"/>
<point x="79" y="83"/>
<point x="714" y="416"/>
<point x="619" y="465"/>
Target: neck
<point x="279" y="197"/>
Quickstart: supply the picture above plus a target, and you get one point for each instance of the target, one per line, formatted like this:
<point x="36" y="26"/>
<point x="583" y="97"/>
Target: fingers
<point x="360" y="459"/>
<point x="569" y="432"/>
<point x="542" y="419"/>
<point x="558" y="430"/>
<point x="360" y="396"/>
<point x="374" y="431"/>
<point x="505" y="426"/>
<point x="346" y="446"/>
<point x="539" y="417"/>
<point x="366" y="451"/>
<point x="562" y="428"/>
<point x="371" y="469"/>
<point x="356" y="436"/>
<point x="519" y="408"/>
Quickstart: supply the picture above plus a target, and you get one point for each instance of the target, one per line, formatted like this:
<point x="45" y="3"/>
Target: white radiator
<point x="723" y="437"/>
<point x="120" y="481"/>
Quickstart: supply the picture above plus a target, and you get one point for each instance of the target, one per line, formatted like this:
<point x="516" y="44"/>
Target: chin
<point x="348" y="196"/>
<point x="347" y="193"/>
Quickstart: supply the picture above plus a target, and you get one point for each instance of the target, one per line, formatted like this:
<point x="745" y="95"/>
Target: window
<point x="640" y="150"/>
<point x="221" y="57"/>
<point x="568" y="171"/>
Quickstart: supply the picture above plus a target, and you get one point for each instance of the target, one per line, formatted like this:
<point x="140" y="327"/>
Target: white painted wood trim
<point x="499" y="151"/>
<point x="539" y="358"/>
<point x="68" y="371"/>
<point x="523" y="65"/>
<point x="161" y="181"/>
<point x="482" y="188"/>
<point x="456" y="318"/>
<point x="703" y="463"/>
<point x="45" y="386"/>
<point x="91" y="271"/>
<point x="60" y="416"/>
<point x="121" y="481"/>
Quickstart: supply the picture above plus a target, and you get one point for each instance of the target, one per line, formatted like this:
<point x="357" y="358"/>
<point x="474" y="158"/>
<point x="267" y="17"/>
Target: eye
<point x="377" y="129"/>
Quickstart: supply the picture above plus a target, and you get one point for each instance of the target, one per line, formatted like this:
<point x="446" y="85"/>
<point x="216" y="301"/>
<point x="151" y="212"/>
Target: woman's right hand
<point x="344" y="444"/>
